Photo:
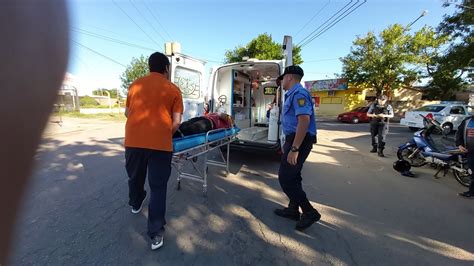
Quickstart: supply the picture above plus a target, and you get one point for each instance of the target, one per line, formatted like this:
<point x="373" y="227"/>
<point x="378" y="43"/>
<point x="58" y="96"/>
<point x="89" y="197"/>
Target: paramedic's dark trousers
<point x="379" y="130"/>
<point x="290" y="175"/>
<point x="157" y="164"/>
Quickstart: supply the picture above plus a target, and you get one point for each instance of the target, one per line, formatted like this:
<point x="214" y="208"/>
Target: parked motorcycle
<point x="422" y="150"/>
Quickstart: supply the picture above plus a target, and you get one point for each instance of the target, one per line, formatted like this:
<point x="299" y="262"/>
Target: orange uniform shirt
<point x="151" y="102"/>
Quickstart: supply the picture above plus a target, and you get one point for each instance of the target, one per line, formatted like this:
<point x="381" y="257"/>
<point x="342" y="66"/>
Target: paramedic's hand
<point x="462" y="149"/>
<point x="292" y="158"/>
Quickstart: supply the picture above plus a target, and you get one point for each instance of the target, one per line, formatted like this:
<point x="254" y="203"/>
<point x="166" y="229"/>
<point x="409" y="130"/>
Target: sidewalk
<point x="326" y="118"/>
<point x="333" y="118"/>
<point x="71" y="124"/>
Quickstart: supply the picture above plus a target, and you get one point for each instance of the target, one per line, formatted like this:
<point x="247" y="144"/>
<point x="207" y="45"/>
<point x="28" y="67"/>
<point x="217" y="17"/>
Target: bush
<point x="88" y="101"/>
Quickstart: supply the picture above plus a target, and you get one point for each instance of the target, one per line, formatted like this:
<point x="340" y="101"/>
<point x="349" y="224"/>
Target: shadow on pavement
<point x="77" y="213"/>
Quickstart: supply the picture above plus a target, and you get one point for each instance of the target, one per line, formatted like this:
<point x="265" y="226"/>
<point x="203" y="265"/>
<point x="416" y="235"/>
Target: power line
<point x="209" y="60"/>
<point x="328" y="25"/>
<point x="146" y="20"/>
<point x="110" y="39"/>
<point x="333" y="24"/>
<point x="164" y="29"/>
<point x="103" y="37"/>
<point x="116" y="33"/>
<point x="107" y="38"/>
<point x="97" y="53"/>
<point x="136" y="24"/>
<point x="317" y="13"/>
<point x="81" y="61"/>
<point x="335" y="14"/>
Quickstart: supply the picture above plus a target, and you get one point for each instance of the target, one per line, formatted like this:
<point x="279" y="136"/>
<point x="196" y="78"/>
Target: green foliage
<point x="88" y="101"/>
<point x="444" y="84"/>
<point x="263" y="48"/>
<point x="119" y="117"/>
<point x="103" y="92"/>
<point x="392" y="59"/>
<point x="451" y="70"/>
<point x="138" y="68"/>
<point x="380" y="62"/>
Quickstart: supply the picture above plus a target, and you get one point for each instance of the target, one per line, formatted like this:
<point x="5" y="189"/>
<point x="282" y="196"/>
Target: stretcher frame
<point x="191" y="155"/>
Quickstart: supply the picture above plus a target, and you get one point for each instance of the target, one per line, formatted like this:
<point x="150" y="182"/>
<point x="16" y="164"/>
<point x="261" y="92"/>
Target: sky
<point x="206" y="29"/>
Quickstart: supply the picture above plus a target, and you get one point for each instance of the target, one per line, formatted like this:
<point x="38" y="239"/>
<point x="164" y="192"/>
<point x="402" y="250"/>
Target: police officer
<point x="465" y="142"/>
<point x="299" y="127"/>
<point x="380" y="112"/>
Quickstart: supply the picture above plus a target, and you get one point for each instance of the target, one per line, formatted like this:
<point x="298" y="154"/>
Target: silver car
<point x="448" y="114"/>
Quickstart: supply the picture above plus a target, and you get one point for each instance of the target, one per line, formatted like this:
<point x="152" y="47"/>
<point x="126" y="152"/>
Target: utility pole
<point x="118" y="100"/>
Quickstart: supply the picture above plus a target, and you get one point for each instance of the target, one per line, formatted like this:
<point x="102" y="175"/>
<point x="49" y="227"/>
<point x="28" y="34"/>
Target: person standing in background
<point x="380" y="112"/>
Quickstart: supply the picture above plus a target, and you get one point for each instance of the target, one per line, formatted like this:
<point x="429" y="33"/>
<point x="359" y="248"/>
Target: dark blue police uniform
<point x="465" y="137"/>
<point x="298" y="102"/>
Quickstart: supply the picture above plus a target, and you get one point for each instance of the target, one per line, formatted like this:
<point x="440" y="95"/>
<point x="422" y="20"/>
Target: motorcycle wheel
<point x="403" y="154"/>
<point x="464" y="178"/>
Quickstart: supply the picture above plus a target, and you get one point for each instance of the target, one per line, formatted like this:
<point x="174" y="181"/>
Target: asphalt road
<point x="76" y="212"/>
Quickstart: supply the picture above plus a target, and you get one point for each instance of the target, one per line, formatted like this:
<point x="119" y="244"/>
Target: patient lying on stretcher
<point x="204" y="124"/>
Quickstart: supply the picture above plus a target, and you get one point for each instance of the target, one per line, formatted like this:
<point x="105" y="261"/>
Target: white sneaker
<point x="141" y="205"/>
<point x="156" y="242"/>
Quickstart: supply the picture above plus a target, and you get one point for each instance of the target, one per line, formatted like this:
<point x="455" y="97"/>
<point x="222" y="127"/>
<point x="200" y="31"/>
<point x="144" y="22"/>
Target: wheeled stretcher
<point x="187" y="150"/>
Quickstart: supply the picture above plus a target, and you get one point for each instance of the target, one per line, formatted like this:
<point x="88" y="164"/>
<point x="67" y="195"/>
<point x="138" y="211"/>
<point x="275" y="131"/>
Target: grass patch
<point x="111" y="117"/>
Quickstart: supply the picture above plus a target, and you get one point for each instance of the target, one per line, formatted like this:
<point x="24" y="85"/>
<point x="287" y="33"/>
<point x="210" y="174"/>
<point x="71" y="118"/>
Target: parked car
<point x="448" y="114"/>
<point x="358" y="115"/>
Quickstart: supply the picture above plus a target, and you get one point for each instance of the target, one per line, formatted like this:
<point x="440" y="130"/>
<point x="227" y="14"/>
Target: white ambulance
<point x="244" y="90"/>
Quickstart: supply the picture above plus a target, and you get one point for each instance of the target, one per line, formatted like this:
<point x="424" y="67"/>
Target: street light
<point x="425" y="12"/>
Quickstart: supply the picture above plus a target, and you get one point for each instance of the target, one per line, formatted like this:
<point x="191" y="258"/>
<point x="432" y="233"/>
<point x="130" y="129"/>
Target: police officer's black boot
<point x="381" y="147"/>
<point x="380" y="153"/>
<point x="292" y="212"/>
<point x="374" y="148"/>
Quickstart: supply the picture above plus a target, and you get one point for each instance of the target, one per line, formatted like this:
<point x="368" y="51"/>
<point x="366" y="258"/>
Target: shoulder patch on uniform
<point x="301" y="102"/>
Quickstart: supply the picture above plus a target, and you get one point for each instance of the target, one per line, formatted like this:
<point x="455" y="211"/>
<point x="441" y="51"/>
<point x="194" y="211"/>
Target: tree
<point x="138" y="68"/>
<point x="447" y="71"/>
<point x="445" y="82"/>
<point x="459" y="28"/>
<point x="263" y="48"/>
<point x="390" y="60"/>
<point x="102" y="92"/>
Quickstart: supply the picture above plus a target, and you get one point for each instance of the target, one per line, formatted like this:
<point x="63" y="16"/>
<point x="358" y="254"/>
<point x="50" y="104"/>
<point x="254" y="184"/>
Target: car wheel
<point x="355" y="120"/>
<point x="447" y="128"/>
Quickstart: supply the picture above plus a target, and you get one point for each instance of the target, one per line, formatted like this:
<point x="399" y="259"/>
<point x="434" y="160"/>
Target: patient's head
<point x="226" y="118"/>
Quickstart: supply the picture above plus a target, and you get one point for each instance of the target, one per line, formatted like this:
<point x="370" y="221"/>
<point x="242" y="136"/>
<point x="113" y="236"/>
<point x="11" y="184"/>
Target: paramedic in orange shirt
<point x="154" y="109"/>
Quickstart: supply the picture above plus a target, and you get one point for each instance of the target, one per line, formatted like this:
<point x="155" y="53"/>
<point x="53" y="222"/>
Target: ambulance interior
<point x="246" y="91"/>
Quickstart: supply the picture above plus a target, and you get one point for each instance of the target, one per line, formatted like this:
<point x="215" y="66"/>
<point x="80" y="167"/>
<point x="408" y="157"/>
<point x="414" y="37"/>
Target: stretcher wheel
<point x="178" y="187"/>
